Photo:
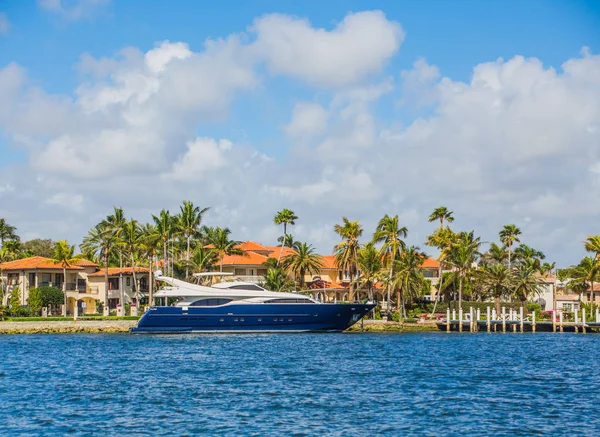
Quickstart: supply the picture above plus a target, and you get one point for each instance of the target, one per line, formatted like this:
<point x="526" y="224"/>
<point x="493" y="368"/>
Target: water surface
<point x="300" y="384"/>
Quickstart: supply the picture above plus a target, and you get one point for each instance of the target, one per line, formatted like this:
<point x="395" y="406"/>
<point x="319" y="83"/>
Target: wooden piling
<point x="448" y="320"/>
<point x="503" y="319"/>
<point x="488" y="319"/>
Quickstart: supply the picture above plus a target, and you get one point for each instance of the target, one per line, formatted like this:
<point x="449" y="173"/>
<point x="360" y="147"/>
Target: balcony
<point x="251" y="279"/>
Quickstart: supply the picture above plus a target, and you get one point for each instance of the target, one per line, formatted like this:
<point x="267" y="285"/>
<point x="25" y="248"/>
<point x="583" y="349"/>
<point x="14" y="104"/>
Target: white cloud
<point x="73" y="10"/>
<point x="202" y="158"/>
<point x="70" y="202"/>
<point x="308" y="119"/>
<point x="4" y="24"/>
<point x="358" y="46"/>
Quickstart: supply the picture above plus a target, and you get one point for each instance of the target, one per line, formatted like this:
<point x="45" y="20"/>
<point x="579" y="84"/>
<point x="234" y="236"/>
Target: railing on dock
<point x="515" y="321"/>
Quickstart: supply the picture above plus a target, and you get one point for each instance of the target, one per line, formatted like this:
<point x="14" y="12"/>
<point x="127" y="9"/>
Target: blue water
<point x="302" y="385"/>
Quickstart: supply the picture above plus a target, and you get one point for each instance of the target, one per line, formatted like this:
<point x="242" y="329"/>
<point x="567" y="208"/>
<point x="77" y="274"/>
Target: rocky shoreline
<point x="122" y="326"/>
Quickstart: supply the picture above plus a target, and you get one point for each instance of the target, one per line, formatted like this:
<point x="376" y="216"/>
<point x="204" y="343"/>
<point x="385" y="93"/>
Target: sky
<point x="333" y="109"/>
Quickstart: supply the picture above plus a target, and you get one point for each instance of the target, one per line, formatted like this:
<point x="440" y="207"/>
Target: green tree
<point x="284" y="217"/>
<point x="15" y="300"/>
<point x="203" y="259"/>
<point x="346" y="252"/>
<point x="303" y="260"/>
<point x="100" y="241"/>
<point x="188" y="222"/>
<point x="64" y="254"/>
<point x="288" y="241"/>
<point x="390" y="233"/>
<point x="132" y="240"/>
<point x="166" y="226"/>
<point x="276" y="279"/>
<point x="526" y="283"/>
<point x="497" y="279"/>
<point x="150" y="242"/>
<point x="496" y="254"/>
<point x="219" y="239"/>
<point x="530" y="256"/>
<point x="7" y="232"/>
<point x="508" y="236"/>
<point x="584" y="275"/>
<point x="45" y="296"/>
<point x="408" y="277"/>
<point x="39" y="247"/>
<point x="440" y="239"/>
<point x="462" y="254"/>
<point x="370" y="266"/>
<point x="115" y="223"/>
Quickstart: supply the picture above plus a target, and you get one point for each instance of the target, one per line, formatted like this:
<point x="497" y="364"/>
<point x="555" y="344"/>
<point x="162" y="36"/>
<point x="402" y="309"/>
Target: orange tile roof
<point x="252" y="246"/>
<point x="275" y="250"/>
<point x="35" y="262"/>
<point x="431" y="263"/>
<point x="82" y="262"/>
<point x="114" y="271"/>
<point x="329" y="262"/>
<point x="249" y="259"/>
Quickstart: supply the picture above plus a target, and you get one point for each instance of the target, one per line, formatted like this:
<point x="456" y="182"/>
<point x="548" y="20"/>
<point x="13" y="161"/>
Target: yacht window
<point x="251" y="287"/>
<point x="210" y="302"/>
<point x="259" y="319"/>
<point x="289" y="301"/>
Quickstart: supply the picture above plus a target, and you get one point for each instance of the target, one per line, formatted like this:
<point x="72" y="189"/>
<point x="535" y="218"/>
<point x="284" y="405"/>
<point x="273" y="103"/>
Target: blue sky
<point x="48" y="38"/>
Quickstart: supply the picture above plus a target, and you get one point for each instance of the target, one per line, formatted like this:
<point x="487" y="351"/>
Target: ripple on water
<point x="339" y="385"/>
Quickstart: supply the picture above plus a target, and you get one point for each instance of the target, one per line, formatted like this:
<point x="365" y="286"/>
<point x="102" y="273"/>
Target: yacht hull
<point x="245" y="318"/>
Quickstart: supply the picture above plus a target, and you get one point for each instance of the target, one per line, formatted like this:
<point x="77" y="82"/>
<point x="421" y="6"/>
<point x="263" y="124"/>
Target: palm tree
<point x="496" y="254"/>
<point x="390" y="233"/>
<point x="221" y="243"/>
<point x="132" y="242"/>
<point x="526" y="283"/>
<point x="115" y="223"/>
<point x="346" y="252"/>
<point x="496" y="278"/>
<point x="370" y="266"/>
<point x="189" y="220"/>
<point x="408" y="277"/>
<point x="166" y="227"/>
<point x="64" y="254"/>
<point x="285" y="217"/>
<point x="592" y="244"/>
<point x="529" y="256"/>
<point x="442" y="214"/>
<point x="150" y="241"/>
<point x="203" y="259"/>
<point x="509" y="235"/>
<point x="287" y="241"/>
<point x="7" y="232"/>
<point x="303" y="260"/>
<point x="277" y="280"/>
<point x="100" y="241"/>
<point x="585" y="274"/>
<point x="461" y="255"/>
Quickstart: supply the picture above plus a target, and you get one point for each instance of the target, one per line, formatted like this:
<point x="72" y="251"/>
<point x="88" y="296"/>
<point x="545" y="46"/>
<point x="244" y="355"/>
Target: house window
<point x="566" y="307"/>
<point x="128" y="281"/>
<point x="46" y="278"/>
<point x="240" y="272"/>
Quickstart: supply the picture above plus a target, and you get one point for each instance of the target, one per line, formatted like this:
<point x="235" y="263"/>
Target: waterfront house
<point x="38" y="271"/>
<point x="132" y="291"/>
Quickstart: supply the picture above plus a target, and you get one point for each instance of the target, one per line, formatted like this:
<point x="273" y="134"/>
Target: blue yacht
<point x="242" y="307"/>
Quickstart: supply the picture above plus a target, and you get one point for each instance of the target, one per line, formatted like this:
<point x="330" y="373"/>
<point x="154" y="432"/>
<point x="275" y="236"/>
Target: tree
<point x="526" y="283"/>
<point x="440" y="239"/>
<point x="39" y="247"/>
<point x="462" y="253"/>
<point x="7" y="232"/>
<point x="188" y="222"/>
<point x="390" y="233"/>
<point x="203" y="259"/>
<point x="100" y="240"/>
<point x="442" y="214"/>
<point x="166" y="226"/>
<point x="132" y="240"/>
<point x="370" y="266"/>
<point x="529" y="256"/>
<point x="15" y="300"/>
<point x="150" y="241"/>
<point x="64" y="254"/>
<point x="219" y="239"/>
<point x="592" y="244"/>
<point x="509" y="235"/>
<point x="496" y="254"/>
<point x="584" y="275"/>
<point x="285" y="217"/>
<point x="287" y="241"/>
<point x="277" y="280"/>
<point x="496" y="278"/>
<point x="45" y="296"/>
<point x="303" y="260"/>
<point x="115" y="223"/>
<point x="346" y="252"/>
<point x="408" y="278"/>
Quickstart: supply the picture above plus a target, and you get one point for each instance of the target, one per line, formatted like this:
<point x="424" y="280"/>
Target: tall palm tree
<point x="150" y="242"/>
<point x="461" y="255"/>
<point x="390" y="233"/>
<point x="203" y="259"/>
<point x="509" y="235"/>
<point x="585" y="274"/>
<point x="303" y="260"/>
<point x="408" y="277"/>
<point x="132" y="239"/>
<point x="100" y="241"/>
<point x="189" y="220"/>
<point x="166" y="226"/>
<point x="592" y="244"/>
<point x="496" y="254"/>
<point x="441" y="214"/>
<point x="346" y="252"/>
<point x="64" y="254"/>
<point x="116" y="224"/>
<point x="287" y="241"/>
<point x="7" y="232"/>
<point x="370" y="266"/>
<point x="529" y="256"/>
<point x="526" y="283"/>
<point x="223" y="245"/>
<point x="276" y="279"/>
<point x="497" y="279"/>
<point x="284" y="217"/>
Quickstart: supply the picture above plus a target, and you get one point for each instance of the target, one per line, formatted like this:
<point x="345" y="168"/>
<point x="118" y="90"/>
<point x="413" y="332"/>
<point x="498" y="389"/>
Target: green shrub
<point x="45" y="297"/>
<point x="396" y="316"/>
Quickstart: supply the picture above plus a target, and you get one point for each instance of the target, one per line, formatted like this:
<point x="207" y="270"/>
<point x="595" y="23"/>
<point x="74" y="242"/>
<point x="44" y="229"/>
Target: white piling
<point x="521" y="317"/>
<point x="553" y="321"/>
<point x="453" y="314"/>
<point x="448" y="320"/>
<point x="576" y="320"/>
<point x="460" y="319"/>
<point x="560" y="317"/>
<point x="583" y="320"/>
<point x="597" y="316"/>
<point x="488" y="319"/>
<point x="533" y="322"/>
<point x="471" y="324"/>
<point x="503" y="319"/>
